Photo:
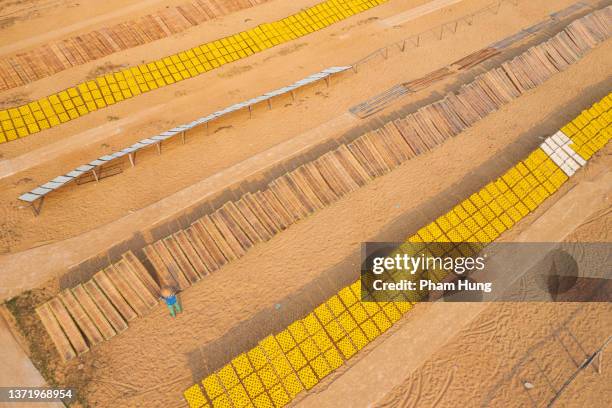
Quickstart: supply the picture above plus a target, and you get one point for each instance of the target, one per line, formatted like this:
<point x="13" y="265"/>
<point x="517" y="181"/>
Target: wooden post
<point x="159" y="146"/>
<point x="183" y="136"/>
<point x="327" y="81"/>
<point x="95" y="174"/>
<point x="132" y="157"/>
<point x="599" y="360"/>
<point x="293" y="95"/>
<point x="250" y="111"/>
<point x="403" y="46"/>
<point x="207" y="129"/>
<point x="270" y="104"/>
<point x="35" y="210"/>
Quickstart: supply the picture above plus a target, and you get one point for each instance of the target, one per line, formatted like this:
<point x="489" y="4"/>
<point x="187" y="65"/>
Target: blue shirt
<point x="170" y="300"/>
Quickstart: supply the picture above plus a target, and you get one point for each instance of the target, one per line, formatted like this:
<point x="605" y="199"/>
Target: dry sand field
<point x="476" y="354"/>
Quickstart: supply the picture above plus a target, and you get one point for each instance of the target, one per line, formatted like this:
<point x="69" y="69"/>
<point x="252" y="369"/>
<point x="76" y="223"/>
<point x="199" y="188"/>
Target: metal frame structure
<point x="36" y="196"/>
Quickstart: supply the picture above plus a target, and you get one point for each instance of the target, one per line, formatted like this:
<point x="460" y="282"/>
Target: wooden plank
<point x="312" y="176"/>
<point x="209" y="243"/>
<point x="277" y="194"/>
<point x="341" y="171"/>
<point x="256" y="224"/>
<point x="180" y="258"/>
<point x="231" y="227"/>
<point x="290" y="203"/>
<point x="105" y="306"/>
<point x="358" y="174"/>
<point x="206" y="257"/>
<point x="131" y="297"/>
<point x="369" y="151"/>
<point x="171" y="265"/>
<point x="227" y="249"/>
<point x="321" y="187"/>
<point x="340" y="174"/>
<point x="270" y="199"/>
<point x="399" y="141"/>
<point x="59" y="338"/>
<point x="111" y="292"/>
<point x="383" y="150"/>
<point x="142" y="273"/>
<point x="243" y="222"/>
<point x="260" y="202"/>
<point x="192" y="255"/>
<point x="330" y="177"/>
<point x="65" y="321"/>
<point x="82" y="320"/>
<point x="270" y="225"/>
<point x="164" y="276"/>
<point x="299" y="182"/>
<point x="302" y="196"/>
<point x="94" y="312"/>
<point x="361" y="157"/>
<point x="421" y="133"/>
<point x="135" y="283"/>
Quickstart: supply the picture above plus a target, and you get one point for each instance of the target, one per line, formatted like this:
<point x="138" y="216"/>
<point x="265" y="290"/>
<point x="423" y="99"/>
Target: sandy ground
<point x="140" y="117"/>
<point x="471" y="354"/>
<point x="540" y="113"/>
<point x="486" y="364"/>
<point x="18" y="369"/>
<point x="154" y="179"/>
<point x="221" y="309"/>
<point x="157" y="358"/>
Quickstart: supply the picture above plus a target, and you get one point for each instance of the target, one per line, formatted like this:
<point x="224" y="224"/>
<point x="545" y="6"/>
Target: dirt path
<point x="417" y="12"/>
<point x="17" y="369"/>
<point x="475" y="368"/>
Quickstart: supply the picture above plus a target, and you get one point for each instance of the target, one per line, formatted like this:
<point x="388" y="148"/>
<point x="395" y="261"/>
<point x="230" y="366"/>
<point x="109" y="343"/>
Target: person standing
<point x="169" y="296"/>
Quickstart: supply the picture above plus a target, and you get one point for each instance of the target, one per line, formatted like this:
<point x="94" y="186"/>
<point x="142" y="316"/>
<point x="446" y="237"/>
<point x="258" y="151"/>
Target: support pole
<point x="293" y="95"/>
<point x="599" y="361"/>
<point x="403" y="46"/>
<point x="36" y="210"/>
<point x="250" y="111"/>
<point x="183" y="136"/>
<point x="207" y="129"/>
<point x="270" y="104"/>
<point x="95" y="174"/>
<point x="158" y="145"/>
<point x="132" y="157"/>
<point x="327" y="81"/>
